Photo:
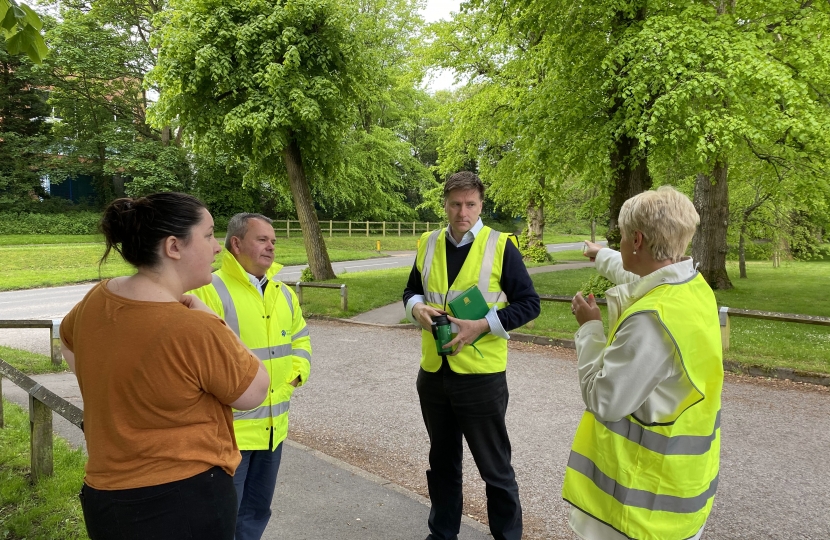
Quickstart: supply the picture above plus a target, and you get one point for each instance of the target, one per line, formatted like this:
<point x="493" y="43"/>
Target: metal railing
<point x="284" y="228"/>
<point x="724" y="313"/>
<point x="298" y="288"/>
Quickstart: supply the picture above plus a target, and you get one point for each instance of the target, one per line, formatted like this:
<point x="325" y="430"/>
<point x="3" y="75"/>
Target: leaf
<point x="9" y="20"/>
<point x="31" y="17"/>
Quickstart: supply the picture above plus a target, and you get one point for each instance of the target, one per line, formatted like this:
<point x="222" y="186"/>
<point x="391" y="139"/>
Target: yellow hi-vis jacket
<point x="482" y="268"/>
<point x="272" y="326"/>
<point x="658" y="481"/>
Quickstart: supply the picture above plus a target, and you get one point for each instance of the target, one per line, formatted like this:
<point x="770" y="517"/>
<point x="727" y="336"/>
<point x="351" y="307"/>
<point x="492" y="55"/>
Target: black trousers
<point x="202" y="507"/>
<point x="473" y="406"/>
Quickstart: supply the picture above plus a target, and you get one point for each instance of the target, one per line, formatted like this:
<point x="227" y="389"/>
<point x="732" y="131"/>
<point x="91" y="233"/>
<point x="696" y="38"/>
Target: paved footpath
<point x="361" y="407"/>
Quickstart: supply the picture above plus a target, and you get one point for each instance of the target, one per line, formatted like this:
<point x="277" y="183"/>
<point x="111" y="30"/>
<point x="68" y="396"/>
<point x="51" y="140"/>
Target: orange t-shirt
<point x="156" y="379"/>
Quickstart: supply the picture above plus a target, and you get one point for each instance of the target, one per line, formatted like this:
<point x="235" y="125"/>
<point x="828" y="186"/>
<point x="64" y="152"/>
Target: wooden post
<point x="350" y="228"/>
<point x="299" y="290"/>
<point x="367" y="228"/>
<point x="40" y="438"/>
<point x="344" y="298"/>
<point x="427" y="226"/>
<point x="384" y="228"/>
<point x="723" y="316"/>
<point x="1" y="403"/>
<point x="399" y="228"/>
<point x="288" y="228"/>
<point x="413" y="228"/>
<point x="55" y="338"/>
<point x="330" y="229"/>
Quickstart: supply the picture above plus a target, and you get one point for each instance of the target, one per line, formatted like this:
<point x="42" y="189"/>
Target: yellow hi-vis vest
<point x="272" y="326"/>
<point x="658" y="481"/>
<point x="483" y="268"/>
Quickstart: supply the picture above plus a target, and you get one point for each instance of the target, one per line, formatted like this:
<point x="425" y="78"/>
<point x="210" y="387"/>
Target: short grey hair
<point x="667" y="219"/>
<point x="238" y="226"/>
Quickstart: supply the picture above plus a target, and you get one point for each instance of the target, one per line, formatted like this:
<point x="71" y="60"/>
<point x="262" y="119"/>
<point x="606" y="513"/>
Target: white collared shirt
<point x="258" y="283"/>
<point x="492" y="319"/>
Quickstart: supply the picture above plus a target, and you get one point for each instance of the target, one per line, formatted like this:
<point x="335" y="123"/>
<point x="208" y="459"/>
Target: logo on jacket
<point x="283" y="333"/>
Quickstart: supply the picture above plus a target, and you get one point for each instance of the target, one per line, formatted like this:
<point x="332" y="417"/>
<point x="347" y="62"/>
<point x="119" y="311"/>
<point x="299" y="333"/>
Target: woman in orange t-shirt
<point x="159" y="373"/>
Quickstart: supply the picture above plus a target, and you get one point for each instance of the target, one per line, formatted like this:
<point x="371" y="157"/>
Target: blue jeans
<point x="255" y="480"/>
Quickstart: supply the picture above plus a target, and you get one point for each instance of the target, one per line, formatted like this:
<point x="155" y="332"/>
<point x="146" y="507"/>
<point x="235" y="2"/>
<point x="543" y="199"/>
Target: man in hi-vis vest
<point x="465" y="391"/>
<point x="266" y="315"/>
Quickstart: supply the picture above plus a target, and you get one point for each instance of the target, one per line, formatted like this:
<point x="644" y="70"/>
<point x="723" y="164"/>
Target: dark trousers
<point x="473" y="406"/>
<point x="202" y="507"/>
<point x="255" y="480"/>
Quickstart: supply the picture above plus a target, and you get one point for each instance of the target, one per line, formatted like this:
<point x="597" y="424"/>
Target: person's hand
<point x="424" y="314"/>
<point x="295" y="382"/>
<point x="193" y="302"/>
<point x="585" y="311"/>
<point x="591" y="250"/>
<point x="468" y="331"/>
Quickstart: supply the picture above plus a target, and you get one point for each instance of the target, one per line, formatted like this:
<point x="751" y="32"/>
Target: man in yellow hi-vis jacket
<point x="464" y="392"/>
<point x="266" y="315"/>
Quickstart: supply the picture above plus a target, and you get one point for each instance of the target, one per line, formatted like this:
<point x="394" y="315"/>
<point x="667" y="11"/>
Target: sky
<point x="436" y="10"/>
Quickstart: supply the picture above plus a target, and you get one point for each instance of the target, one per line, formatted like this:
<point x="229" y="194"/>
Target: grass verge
<point x="795" y="287"/>
<point x="367" y="291"/>
<point x="46" y="510"/>
<point x="30" y="363"/>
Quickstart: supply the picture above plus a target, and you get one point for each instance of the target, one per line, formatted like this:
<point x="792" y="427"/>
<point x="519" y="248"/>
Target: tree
<point x="24" y="133"/>
<point x="276" y="84"/>
<point x="21" y="26"/>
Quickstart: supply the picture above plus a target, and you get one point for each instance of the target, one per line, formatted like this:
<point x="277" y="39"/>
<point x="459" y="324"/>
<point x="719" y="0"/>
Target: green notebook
<point x="470" y="305"/>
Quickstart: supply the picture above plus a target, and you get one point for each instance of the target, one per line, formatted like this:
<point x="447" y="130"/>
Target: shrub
<point x="536" y="252"/>
<point x="597" y="286"/>
<point x="72" y="223"/>
<point x="306" y="275"/>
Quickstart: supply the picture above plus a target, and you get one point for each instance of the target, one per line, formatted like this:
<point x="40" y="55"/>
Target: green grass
<point x="551" y="237"/>
<point x="30" y="363"/>
<point x="367" y="290"/>
<point x="795" y="287"/>
<point x="49" y="509"/>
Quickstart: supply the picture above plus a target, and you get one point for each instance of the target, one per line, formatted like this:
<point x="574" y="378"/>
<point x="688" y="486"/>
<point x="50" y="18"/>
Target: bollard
<point x="55" y="338"/>
<point x="378" y="245"/>
<point x="40" y="438"/>
<point x="418" y="244"/>
<point x="299" y="292"/>
<point x="344" y="299"/>
<point x="723" y="316"/>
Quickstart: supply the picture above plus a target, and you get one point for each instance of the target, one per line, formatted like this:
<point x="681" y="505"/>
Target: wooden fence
<point x="284" y="228"/>
<point x="724" y="313"/>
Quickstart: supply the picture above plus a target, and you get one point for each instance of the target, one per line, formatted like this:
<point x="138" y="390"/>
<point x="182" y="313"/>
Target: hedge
<point x="74" y="223"/>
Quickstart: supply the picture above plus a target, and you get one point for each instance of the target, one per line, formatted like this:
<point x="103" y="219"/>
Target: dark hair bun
<point x="134" y="227"/>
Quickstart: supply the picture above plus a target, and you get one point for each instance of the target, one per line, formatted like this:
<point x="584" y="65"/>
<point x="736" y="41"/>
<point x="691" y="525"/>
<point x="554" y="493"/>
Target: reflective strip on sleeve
<point x="287" y="293"/>
<point x="302" y="354"/>
<point x="487" y="261"/>
<point x="679" y="445"/>
<point x="275" y="351"/>
<point x="639" y="498"/>
<point x="428" y="256"/>
<point x="231" y="318"/>
<point x="301" y="333"/>
<point x="260" y="413"/>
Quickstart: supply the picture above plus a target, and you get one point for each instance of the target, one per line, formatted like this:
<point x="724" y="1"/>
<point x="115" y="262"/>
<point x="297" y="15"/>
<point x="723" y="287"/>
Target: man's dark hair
<point x="464" y="181"/>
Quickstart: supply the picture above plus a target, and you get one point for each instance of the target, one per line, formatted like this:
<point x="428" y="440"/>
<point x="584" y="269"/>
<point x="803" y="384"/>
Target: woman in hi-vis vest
<point x="644" y="460"/>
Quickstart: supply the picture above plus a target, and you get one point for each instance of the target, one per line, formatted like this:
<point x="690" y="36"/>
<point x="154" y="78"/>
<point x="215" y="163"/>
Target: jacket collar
<point x="623" y="296"/>
<point x="232" y="268"/>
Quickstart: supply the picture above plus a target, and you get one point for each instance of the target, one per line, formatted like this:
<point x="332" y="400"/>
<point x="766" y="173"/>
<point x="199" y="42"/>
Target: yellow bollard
<point x="378" y="245"/>
<point x="418" y="244"/>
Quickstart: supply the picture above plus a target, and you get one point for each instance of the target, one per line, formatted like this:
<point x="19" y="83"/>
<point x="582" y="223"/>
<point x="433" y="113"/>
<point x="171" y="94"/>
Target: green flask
<point x="442" y="332"/>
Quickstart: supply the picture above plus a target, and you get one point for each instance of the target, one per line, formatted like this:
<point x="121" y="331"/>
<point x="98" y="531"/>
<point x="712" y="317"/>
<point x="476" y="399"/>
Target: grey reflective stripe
<point x="302" y="354"/>
<point x="301" y="333"/>
<point x="260" y="413"/>
<point x="431" y="241"/>
<point x="487" y="262"/>
<point x="231" y="318"/>
<point x="275" y="351"/>
<point x="679" y="445"/>
<point x="287" y="293"/>
<point x="639" y="498"/>
<point x="434" y="298"/>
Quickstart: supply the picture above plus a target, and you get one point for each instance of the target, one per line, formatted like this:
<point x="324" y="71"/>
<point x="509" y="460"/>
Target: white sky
<point x="436" y="10"/>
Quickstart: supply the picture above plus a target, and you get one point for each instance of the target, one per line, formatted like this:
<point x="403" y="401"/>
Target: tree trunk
<point x="593" y="230"/>
<point x="629" y="176"/>
<point x="742" y="251"/>
<point x="535" y="221"/>
<point x="709" y="246"/>
<point x="315" y="246"/>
